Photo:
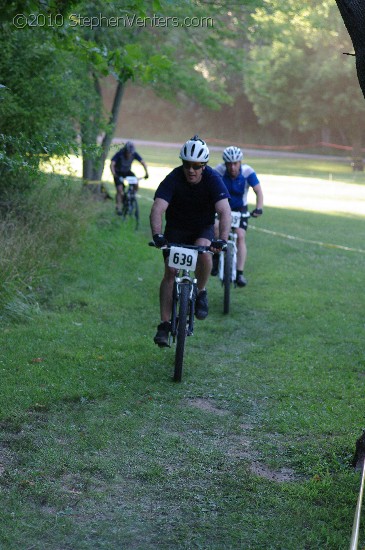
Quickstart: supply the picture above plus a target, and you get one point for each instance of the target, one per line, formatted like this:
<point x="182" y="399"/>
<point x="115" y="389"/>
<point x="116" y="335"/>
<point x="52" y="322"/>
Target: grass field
<point x="157" y="157"/>
<point x="100" y="449"/>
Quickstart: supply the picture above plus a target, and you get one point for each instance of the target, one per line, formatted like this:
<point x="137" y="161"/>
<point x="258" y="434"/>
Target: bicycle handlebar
<point x="243" y="214"/>
<point x="126" y="179"/>
<point x="248" y="214"/>
<point x="200" y="248"/>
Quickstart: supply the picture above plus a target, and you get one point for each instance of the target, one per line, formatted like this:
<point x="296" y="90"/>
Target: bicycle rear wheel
<point x="181" y="330"/>
<point x="124" y="210"/>
<point x="227" y="280"/>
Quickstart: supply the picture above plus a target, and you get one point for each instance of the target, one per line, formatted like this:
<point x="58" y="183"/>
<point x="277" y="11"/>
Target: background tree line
<point x="269" y="64"/>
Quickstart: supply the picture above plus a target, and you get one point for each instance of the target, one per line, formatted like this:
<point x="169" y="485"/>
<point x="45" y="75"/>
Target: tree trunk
<point x="353" y="15"/>
<point x="93" y="167"/>
<point x="89" y="133"/>
<point x="87" y="145"/>
<point x="107" y="140"/>
<point x="87" y="168"/>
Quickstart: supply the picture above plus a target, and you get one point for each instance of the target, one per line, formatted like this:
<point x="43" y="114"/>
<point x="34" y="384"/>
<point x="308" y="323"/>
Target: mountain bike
<point x="183" y="258"/>
<point x="130" y="206"/>
<point x="228" y="260"/>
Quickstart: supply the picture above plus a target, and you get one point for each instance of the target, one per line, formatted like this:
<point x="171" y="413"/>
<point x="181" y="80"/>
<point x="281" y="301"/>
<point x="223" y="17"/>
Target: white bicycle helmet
<point x="232" y="154"/>
<point x="195" y="150"/>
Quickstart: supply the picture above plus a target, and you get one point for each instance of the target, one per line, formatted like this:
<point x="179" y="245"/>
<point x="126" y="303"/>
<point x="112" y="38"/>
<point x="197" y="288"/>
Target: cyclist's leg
<point x="119" y="194"/>
<point x="215" y="259"/>
<point x="241" y="248"/>
<point x="203" y="266"/>
<point x="204" y="263"/>
<point x="166" y="287"/>
<point x="241" y="252"/>
<point x="202" y="273"/>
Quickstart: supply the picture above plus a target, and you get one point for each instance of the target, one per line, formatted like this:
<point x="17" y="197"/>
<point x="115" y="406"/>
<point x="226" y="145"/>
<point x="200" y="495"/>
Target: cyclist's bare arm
<point x="159" y="207"/>
<point x="112" y="168"/>
<point x="145" y="168"/>
<point x="224" y="213"/>
<point x="259" y="196"/>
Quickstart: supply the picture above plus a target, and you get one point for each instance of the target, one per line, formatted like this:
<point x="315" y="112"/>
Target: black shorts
<point x="124" y="175"/>
<point x="244" y="219"/>
<point x="185" y="236"/>
<point x="244" y="223"/>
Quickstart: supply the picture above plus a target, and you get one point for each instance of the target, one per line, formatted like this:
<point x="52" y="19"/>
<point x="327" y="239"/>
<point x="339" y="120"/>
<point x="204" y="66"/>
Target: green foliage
<point x="36" y="230"/>
<point x="185" y="51"/>
<point x="10" y="8"/>
<point x="297" y="72"/>
<point x="179" y="50"/>
<point x="38" y="103"/>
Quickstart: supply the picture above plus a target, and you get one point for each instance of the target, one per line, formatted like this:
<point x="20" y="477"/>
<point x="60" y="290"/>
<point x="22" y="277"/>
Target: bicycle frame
<point x="130" y="194"/>
<point x="232" y="242"/>
<point x="130" y="204"/>
<point x="228" y="260"/>
<point x="183" y="259"/>
<point x="183" y="278"/>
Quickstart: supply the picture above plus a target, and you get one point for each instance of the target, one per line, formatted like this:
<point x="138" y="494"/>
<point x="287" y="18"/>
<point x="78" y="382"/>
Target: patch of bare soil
<point x="206" y="405"/>
<point x="241" y="446"/>
<point x="284" y="474"/>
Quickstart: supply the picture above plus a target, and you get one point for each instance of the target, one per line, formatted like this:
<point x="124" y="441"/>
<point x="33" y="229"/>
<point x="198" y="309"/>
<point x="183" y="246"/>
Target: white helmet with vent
<point x="195" y="150"/>
<point x="232" y="154"/>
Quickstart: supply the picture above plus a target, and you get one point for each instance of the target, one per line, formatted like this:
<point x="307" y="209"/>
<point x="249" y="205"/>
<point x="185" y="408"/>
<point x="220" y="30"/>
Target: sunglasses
<point x="194" y="165"/>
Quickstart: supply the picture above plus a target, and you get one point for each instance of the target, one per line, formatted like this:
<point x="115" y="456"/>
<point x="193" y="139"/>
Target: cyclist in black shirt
<point x="121" y="168"/>
<point x="189" y="197"/>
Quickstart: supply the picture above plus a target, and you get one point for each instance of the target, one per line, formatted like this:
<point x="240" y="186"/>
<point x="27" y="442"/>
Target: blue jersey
<point x="238" y="187"/>
<point x="191" y="207"/>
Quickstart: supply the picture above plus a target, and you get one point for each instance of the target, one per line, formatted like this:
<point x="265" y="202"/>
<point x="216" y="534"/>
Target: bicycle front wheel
<point x="136" y="212"/>
<point x="227" y="280"/>
<point x="181" y="330"/>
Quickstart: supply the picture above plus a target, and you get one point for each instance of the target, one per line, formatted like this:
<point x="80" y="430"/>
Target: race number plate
<point x="236" y="218"/>
<point x="132" y="180"/>
<point x="182" y="258"/>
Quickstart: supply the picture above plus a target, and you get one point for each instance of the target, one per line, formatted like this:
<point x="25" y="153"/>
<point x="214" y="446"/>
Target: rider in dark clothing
<point x="189" y="197"/>
<point x="121" y="168"/>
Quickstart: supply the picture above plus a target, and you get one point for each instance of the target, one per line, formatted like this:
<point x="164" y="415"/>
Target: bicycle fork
<point x="184" y="280"/>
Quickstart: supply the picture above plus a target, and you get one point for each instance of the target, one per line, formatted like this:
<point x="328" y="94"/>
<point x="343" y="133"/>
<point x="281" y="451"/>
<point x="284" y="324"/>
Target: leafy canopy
<point x="297" y="72"/>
